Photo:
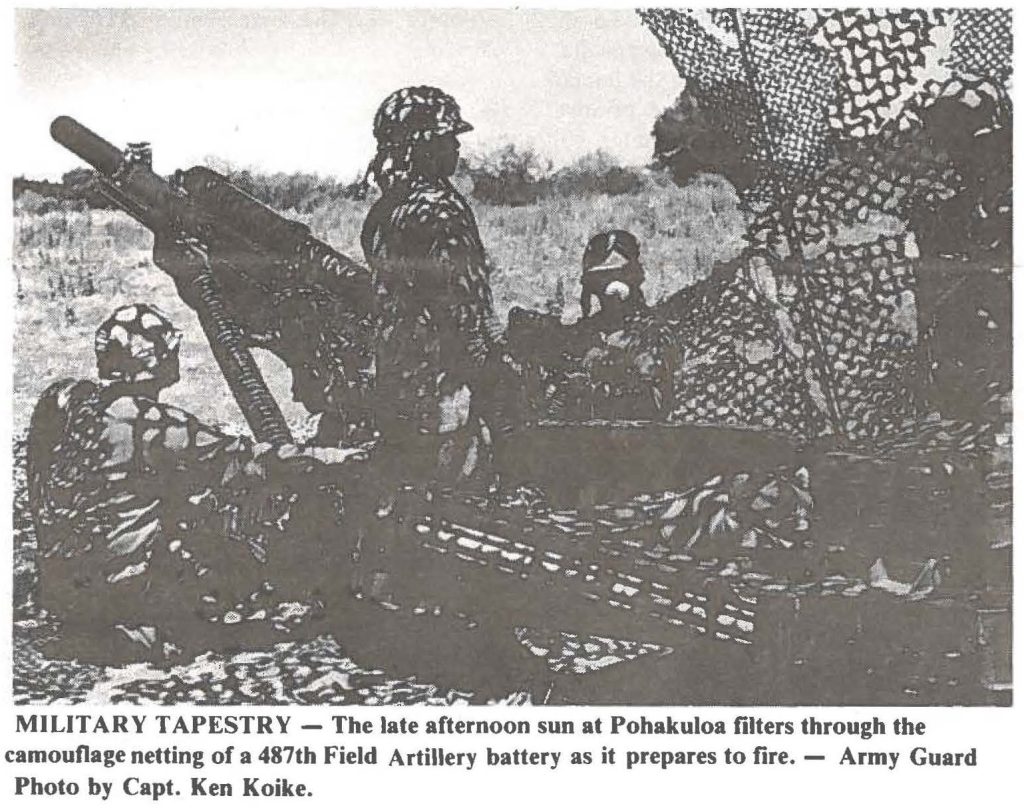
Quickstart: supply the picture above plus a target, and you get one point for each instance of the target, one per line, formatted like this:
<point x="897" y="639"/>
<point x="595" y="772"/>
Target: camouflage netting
<point x="736" y="369"/>
<point x="836" y="110"/>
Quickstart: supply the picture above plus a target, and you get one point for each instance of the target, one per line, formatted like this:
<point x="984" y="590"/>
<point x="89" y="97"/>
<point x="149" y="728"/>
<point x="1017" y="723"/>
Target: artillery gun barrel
<point x="149" y="199"/>
<point x="144" y="195"/>
<point x="102" y="155"/>
<point x="272" y="234"/>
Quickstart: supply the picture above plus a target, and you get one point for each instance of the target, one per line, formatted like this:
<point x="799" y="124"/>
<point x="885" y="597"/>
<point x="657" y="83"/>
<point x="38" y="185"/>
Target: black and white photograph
<point x="511" y="357"/>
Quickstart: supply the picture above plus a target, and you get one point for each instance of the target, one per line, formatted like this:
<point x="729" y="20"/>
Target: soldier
<point x="612" y="273"/>
<point x="633" y="355"/>
<point x="438" y="354"/>
<point x="155" y="532"/>
<point x="617" y="361"/>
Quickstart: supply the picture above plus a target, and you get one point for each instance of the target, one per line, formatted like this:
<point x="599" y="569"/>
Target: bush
<point x="508" y="175"/>
<point x="597" y="173"/>
<point x="76" y="191"/>
<point x="299" y="192"/>
<point x="31" y="201"/>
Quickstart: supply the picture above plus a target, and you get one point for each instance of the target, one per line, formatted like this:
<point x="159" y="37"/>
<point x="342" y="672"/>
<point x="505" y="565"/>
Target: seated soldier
<point x="618" y="361"/>
<point x="157" y="533"/>
<point x="159" y="537"/>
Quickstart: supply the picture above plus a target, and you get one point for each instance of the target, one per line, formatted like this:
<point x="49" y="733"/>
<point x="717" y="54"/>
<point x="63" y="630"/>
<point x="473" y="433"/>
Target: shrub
<point x="41" y="196"/>
<point x="508" y="175"/>
<point x="299" y="192"/>
<point x="31" y="201"/>
<point x="597" y="173"/>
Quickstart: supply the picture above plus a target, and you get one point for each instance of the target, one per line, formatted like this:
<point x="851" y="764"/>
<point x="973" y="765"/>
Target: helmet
<point x="417" y="114"/>
<point x="138" y="343"/>
<point x="611" y="250"/>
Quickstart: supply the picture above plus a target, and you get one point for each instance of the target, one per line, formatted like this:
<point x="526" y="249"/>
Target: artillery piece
<point x="649" y="533"/>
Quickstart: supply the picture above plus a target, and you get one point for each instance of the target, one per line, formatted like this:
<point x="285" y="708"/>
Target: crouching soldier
<point x="156" y="533"/>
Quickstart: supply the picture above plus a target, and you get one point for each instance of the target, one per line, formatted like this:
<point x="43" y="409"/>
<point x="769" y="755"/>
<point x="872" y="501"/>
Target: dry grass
<point x="72" y="268"/>
<point x="683" y="231"/>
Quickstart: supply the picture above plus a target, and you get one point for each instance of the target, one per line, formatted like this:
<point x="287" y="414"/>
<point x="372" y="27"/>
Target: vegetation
<point x="75" y="191"/>
<point x="514" y="176"/>
<point x="506" y="175"/>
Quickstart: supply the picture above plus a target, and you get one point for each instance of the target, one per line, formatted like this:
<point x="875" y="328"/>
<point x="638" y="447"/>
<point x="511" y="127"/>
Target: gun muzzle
<point x="103" y="156"/>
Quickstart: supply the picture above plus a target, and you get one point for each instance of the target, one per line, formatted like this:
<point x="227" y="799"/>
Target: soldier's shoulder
<point x="58" y="409"/>
<point x="129" y="418"/>
<point x="130" y="412"/>
<point x="64" y="393"/>
<point x="430" y="202"/>
<point x="60" y="399"/>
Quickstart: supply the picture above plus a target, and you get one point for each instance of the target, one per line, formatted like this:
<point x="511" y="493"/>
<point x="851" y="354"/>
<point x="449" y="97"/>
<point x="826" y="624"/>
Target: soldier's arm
<point x="585" y="301"/>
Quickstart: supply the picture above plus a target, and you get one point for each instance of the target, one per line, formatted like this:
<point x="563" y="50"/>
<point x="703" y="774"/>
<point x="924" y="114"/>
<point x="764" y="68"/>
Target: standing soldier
<point x="436" y="352"/>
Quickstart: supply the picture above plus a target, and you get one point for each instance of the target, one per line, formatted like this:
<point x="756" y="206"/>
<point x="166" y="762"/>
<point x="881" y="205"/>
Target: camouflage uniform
<point x="155" y="527"/>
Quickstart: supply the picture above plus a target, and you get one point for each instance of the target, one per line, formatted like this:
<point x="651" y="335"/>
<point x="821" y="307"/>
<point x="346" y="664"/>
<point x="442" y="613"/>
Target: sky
<point x="296" y="90"/>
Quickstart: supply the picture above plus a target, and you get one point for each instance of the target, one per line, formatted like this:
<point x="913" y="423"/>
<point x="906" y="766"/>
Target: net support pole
<point x="795" y="245"/>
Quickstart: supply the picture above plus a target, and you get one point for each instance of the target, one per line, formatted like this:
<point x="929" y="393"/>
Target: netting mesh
<point x="856" y="296"/>
<point x="983" y="45"/>
<point x="748" y="360"/>
<point x="829" y="105"/>
<point x="883" y="57"/>
<point x="736" y="369"/>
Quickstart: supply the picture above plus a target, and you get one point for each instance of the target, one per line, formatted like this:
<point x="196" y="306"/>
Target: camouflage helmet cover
<point x="138" y="343"/>
<point x="417" y="114"/>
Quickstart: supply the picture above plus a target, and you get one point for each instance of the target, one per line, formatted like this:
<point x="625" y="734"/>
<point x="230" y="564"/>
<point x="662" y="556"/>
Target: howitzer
<point x="216" y="222"/>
